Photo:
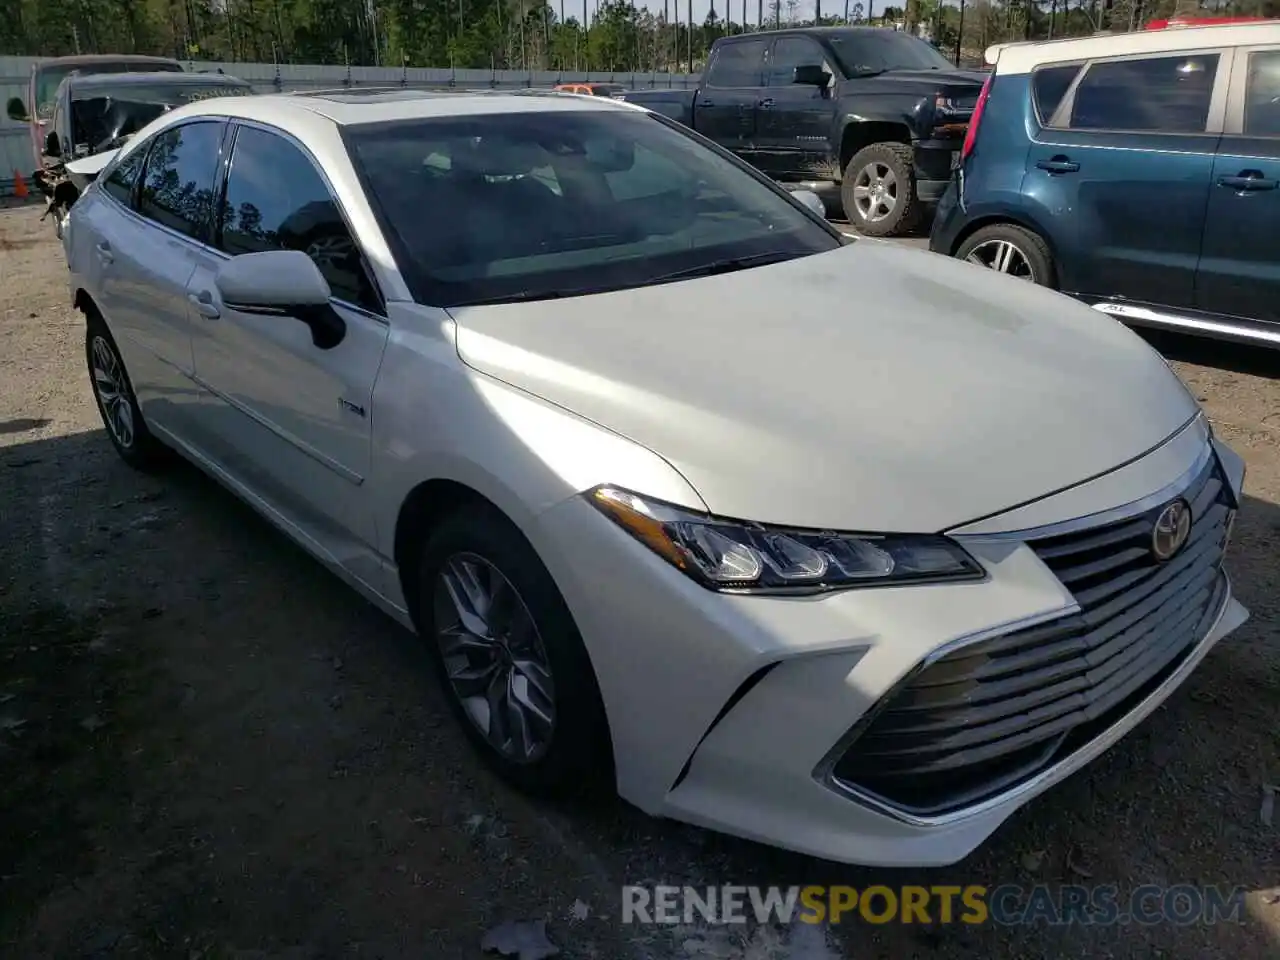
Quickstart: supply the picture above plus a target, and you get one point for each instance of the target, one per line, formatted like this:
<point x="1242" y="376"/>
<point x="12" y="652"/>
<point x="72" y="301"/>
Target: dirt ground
<point x="209" y="748"/>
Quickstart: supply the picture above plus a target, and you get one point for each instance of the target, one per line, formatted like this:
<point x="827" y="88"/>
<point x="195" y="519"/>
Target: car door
<point x="1239" y="273"/>
<point x="725" y="104"/>
<point x="1124" y="165"/>
<point x="795" y="120"/>
<point x="149" y="228"/>
<point x="287" y="418"/>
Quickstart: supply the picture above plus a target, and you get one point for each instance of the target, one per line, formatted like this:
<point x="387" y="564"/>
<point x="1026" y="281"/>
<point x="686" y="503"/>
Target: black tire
<point x="907" y="210"/>
<point x="1031" y="258"/>
<point x="576" y="756"/>
<point x="137" y="447"/>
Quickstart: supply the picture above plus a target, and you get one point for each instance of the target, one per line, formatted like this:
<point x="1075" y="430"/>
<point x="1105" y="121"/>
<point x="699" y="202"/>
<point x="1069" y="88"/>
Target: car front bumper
<point x="731" y="711"/>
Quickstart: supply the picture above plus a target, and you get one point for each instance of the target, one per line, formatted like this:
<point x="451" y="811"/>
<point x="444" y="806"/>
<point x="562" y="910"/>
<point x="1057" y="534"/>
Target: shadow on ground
<point x="210" y="747"/>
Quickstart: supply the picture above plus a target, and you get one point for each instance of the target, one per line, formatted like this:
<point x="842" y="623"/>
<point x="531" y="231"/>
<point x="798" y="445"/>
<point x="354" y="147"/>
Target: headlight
<point x="733" y="555"/>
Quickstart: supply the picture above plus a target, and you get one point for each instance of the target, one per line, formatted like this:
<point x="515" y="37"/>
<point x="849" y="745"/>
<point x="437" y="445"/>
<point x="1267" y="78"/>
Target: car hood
<point x="869" y="388"/>
<point x="936" y="76"/>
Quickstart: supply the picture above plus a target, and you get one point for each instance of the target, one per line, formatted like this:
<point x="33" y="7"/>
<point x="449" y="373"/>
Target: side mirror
<point x="285" y="284"/>
<point x="17" y="110"/>
<point x="52" y="148"/>
<point x="811" y="75"/>
<point x="812" y="201"/>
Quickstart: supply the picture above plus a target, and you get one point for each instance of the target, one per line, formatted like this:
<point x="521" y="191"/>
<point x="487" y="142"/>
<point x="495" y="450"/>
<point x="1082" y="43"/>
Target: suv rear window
<point x="1168" y="94"/>
<point x="1049" y="85"/>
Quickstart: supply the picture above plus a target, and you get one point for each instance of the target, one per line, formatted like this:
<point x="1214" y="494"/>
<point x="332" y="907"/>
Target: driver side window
<point x="276" y="200"/>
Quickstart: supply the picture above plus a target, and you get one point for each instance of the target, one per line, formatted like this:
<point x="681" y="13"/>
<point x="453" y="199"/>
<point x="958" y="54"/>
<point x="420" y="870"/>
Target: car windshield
<point x="102" y="115"/>
<point x="552" y="203"/>
<point x="876" y="51"/>
<point x="49" y="78"/>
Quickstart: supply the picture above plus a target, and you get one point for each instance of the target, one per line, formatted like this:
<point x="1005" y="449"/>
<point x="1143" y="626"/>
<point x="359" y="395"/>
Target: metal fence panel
<point x="15" y="147"/>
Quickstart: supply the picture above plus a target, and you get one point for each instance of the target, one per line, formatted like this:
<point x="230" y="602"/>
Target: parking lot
<point x="209" y="748"/>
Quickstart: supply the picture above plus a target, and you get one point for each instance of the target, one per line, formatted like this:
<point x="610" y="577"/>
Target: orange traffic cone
<point x="19" y="186"/>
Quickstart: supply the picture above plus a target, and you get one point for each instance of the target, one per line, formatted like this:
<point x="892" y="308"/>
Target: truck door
<point x="724" y="108"/>
<point x="795" y="120"/>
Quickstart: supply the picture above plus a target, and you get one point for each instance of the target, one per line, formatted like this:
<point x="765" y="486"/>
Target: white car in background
<point x="820" y="542"/>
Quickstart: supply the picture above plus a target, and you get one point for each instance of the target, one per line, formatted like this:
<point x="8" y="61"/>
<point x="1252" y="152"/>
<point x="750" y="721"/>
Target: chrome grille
<point x="994" y="713"/>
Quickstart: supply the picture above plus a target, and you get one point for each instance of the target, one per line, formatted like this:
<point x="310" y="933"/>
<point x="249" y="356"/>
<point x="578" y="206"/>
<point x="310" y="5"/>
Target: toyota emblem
<point x="1172" y="527"/>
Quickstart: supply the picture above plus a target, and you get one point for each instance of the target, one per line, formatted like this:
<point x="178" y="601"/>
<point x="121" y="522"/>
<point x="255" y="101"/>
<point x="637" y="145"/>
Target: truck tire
<point x="879" y="191"/>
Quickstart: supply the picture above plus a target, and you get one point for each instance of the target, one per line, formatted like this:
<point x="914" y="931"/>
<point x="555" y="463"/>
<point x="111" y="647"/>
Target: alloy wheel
<point x="113" y="394"/>
<point x="1003" y="257"/>
<point x="494" y="657"/>
<point x="875" y="192"/>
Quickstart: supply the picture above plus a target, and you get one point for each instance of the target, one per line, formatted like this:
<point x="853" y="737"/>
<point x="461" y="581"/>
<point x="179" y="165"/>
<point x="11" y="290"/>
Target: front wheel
<point x="878" y="191"/>
<point x="1010" y="249"/>
<point x="516" y="673"/>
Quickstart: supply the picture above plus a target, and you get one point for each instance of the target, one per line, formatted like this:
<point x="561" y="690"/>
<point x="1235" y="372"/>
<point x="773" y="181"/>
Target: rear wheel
<point x="113" y="392"/>
<point x="1010" y="249"/>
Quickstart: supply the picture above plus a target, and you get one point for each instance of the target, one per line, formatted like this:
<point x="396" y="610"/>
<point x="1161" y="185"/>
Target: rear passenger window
<point x="276" y="200"/>
<point x="738" y="64"/>
<point x="124" y="176"/>
<point x="1049" y="85"/>
<point x="177" y="186"/>
<point x="1160" y="94"/>
<point x="1262" y="95"/>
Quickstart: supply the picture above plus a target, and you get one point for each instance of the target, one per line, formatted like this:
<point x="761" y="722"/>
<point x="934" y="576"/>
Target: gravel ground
<point x="210" y="749"/>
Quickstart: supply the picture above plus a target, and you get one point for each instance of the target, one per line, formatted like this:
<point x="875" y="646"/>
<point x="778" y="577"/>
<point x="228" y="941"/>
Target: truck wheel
<point x="1009" y="248"/>
<point x="879" y="190"/>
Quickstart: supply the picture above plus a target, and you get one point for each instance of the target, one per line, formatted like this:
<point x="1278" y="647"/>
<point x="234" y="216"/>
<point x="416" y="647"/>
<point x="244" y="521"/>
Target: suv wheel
<point x="878" y="190"/>
<point x="515" y="671"/>
<point x="1008" y="248"/>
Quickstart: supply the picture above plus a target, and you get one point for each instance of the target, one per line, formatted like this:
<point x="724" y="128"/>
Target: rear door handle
<point x="1248" y="180"/>
<point x="203" y="302"/>
<point x="767" y="102"/>
<point x="1059" y="165"/>
<point x="706" y="103"/>
<point x="104" y="253"/>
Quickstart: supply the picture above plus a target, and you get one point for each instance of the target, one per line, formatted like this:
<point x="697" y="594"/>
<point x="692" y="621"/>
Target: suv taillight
<point x="971" y="135"/>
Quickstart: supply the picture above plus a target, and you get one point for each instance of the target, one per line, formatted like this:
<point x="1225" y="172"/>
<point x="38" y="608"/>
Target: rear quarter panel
<point x="991" y="179"/>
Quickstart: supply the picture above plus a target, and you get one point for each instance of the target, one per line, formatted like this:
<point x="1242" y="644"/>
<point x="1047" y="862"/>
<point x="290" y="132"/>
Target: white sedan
<point x="826" y="543"/>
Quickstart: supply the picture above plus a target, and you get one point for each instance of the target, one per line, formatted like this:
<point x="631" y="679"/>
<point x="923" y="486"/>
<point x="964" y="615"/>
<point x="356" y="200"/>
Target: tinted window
<point x="876" y="50"/>
<point x="1262" y="95"/>
<point x="1168" y="94"/>
<point x="124" y="175"/>
<point x="737" y="64"/>
<point x="789" y="53"/>
<point x="276" y="200"/>
<point x="177" y="187"/>
<point x="1050" y="85"/>
<point x="534" y="205"/>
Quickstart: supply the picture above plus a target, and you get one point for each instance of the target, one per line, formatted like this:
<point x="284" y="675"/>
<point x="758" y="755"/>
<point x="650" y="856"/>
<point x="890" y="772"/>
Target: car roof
<point x="90" y="59"/>
<point x="1016" y="58"/>
<point x="347" y="107"/>
<point x="90" y="80"/>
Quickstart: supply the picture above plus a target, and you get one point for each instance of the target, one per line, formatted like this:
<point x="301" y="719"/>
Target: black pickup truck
<point x="873" y="115"/>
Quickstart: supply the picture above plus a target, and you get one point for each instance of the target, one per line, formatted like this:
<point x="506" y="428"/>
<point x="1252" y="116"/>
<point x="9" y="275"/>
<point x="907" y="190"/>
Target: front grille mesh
<point x="994" y="713"/>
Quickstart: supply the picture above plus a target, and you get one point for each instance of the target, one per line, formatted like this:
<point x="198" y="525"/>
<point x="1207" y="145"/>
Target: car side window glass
<point x="737" y="64"/>
<point x="124" y="176"/>
<point x="1262" y="95"/>
<point x="276" y="200"/>
<point x="177" y="184"/>
<point x="1049" y="85"/>
<point x="1168" y="94"/>
<point x="789" y="53"/>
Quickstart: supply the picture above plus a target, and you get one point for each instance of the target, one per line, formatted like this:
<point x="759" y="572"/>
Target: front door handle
<point x="203" y="302"/>
<point x="767" y="102"/>
<point x="706" y="103"/>
<point x="1059" y="164"/>
<point x="1248" y="180"/>
<point x="105" y="254"/>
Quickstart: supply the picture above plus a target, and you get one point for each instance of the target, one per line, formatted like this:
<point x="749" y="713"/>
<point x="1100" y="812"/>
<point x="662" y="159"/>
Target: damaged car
<point x="94" y="114"/>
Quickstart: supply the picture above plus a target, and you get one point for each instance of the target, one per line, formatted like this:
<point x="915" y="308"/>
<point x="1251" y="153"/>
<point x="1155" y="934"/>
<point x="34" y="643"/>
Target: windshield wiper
<point x="525" y="296"/>
<point x="727" y="265"/>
